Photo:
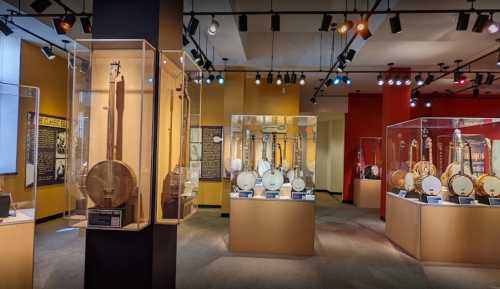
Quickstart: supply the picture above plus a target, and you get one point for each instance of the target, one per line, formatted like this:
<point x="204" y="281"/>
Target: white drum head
<point x="431" y="185"/>
<point x="262" y="167"/>
<point x="272" y="180"/>
<point x="492" y="186"/>
<point x="236" y="165"/>
<point x="409" y="182"/>
<point x="290" y="175"/>
<point x="246" y="181"/>
<point x="462" y="185"/>
<point x="375" y="170"/>
<point x="298" y="185"/>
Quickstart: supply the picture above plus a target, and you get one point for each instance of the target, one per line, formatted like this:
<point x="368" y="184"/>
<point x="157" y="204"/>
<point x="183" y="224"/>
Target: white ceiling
<point x="425" y="40"/>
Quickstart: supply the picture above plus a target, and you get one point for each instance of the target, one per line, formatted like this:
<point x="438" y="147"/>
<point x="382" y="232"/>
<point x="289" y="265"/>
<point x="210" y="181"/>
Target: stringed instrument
<point x="454" y="156"/>
<point x="264" y="165"/>
<point x="397" y="179"/>
<point x="410" y="176"/>
<point x="272" y="180"/>
<point x="372" y="171"/>
<point x="246" y="179"/>
<point x="285" y="165"/>
<point x="298" y="183"/>
<point x="429" y="184"/>
<point x="488" y="185"/>
<point x="461" y="184"/>
<point x="425" y="168"/>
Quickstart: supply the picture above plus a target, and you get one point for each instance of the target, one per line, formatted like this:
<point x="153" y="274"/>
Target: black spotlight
<point x="479" y="79"/>
<point x="257" y="79"/>
<point x="275" y="22"/>
<point x="490" y="78"/>
<point x="40" y="5"/>
<point x="429" y="79"/>
<point x="293" y="79"/>
<point x="329" y="82"/>
<point x="418" y="79"/>
<point x="269" y="78"/>
<point x="210" y="79"/>
<point x="198" y="59"/>
<point x="350" y="55"/>
<point x="341" y="66"/>
<point x="86" y="24"/>
<point x="475" y="92"/>
<point x="463" y="21"/>
<point x="185" y="41"/>
<point x="302" y="80"/>
<point x="313" y="100"/>
<point x="47" y="51"/>
<point x="5" y="29"/>
<point x="192" y="25"/>
<point x="242" y="23"/>
<point x="287" y="78"/>
<point x="480" y="23"/>
<point x="365" y="33"/>
<point x="207" y="64"/>
<point x="63" y="25"/>
<point x="326" y="22"/>
<point x="395" y="24"/>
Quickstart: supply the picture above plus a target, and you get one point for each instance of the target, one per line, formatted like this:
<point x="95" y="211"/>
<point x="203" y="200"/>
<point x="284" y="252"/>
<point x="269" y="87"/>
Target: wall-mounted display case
<point x="273" y="156"/>
<point x="369" y="158"/>
<point x="19" y="122"/>
<point x="452" y="160"/>
<point x="179" y="137"/>
<point x="108" y="177"/>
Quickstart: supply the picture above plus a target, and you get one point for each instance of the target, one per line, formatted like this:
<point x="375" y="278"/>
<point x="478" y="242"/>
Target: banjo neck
<point x="490" y="156"/>
<point x="273" y="152"/>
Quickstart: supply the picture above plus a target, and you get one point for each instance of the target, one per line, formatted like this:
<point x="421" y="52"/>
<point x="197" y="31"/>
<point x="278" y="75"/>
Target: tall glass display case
<point x="369" y="158"/>
<point x="445" y="160"/>
<point x="178" y="155"/>
<point x="273" y="156"/>
<point x="108" y="178"/>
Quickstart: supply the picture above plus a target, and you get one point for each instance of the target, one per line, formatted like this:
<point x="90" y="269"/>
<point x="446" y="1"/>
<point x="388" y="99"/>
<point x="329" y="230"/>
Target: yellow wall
<point x="51" y="78"/>
<point x="240" y="95"/>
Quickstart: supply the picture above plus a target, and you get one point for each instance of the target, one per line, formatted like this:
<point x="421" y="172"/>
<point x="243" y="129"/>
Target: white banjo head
<point x="491" y="186"/>
<point x="246" y="180"/>
<point x="410" y="182"/>
<point x="236" y="165"/>
<point x="272" y="180"/>
<point x="262" y="167"/>
<point x="462" y="185"/>
<point x="431" y="185"/>
<point x="298" y="184"/>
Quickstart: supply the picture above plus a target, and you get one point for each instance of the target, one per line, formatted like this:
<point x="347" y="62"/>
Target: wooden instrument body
<point x="247" y="178"/>
<point x="461" y="184"/>
<point x="427" y="182"/>
<point x="273" y="179"/>
<point x="263" y="165"/>
<point x="397" y="178"/>
<point x="488" y="185"/>
<point x="410" y="176"/>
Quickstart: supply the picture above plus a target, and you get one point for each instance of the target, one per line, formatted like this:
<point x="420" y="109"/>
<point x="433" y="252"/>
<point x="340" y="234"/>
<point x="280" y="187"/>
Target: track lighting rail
<point x="349" y="71"/>
<point x="200" y="50"/>
<point x="340" y="12"/>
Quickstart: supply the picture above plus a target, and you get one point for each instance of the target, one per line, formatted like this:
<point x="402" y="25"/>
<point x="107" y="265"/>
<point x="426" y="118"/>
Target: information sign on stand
<point x="494" y="201"/>
<point x="466" y="201"/>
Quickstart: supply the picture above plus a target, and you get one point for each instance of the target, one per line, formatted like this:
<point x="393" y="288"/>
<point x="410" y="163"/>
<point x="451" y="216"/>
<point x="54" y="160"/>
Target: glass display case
<point x="179" y="149"/>
<point x="273" y="157"/>
<point x="108" y="177"/>
<point x="445" y="160"/>
<point x="369" y="158"/>
<point x="19" y="121"/>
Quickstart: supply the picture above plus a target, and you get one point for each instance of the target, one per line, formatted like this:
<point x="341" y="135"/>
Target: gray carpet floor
<point x="351" y="252"/>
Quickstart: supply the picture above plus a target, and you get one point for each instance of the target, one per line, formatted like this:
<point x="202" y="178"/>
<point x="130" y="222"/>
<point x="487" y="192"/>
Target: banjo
<point x="264" y="165"/>
<point x="430" y="184"/>
<point x="461" y="184"/>
<point x="298" y="183"/>
<point x="425" y="168"/>
<point x="397" y="179"/>
<point x="111" y="183"/>
<point x="410" y="176"/>
<point x="284" y="162"/>
<point x="272" y="180"/>
<point x="246" y="179"/>
<point x="372" y="171"/>
<point x="488" y="185"/>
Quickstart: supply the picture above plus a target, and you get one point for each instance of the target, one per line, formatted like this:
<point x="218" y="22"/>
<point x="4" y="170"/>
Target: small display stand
<point x="367" y="173"/>
<point x="367" y="193"/>
<point x="18" y="185"/>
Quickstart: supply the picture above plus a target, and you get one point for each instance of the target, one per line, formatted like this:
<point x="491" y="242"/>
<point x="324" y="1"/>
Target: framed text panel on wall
<point x="211" y="153"/>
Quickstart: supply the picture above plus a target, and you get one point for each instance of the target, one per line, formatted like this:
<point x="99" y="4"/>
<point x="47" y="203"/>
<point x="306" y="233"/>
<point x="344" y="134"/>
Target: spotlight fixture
<point x="207" y="64"/>
<point x="398" y="81"/>
<point x="380" y="79"/>
<point x="86" y="24"/>
<point x="491" y="26"/>
<point x="279" y="81"/>
<point x="47" y="51"/>
<point x="413" y="102"/>
<point x="5" y="29"/>
<point x="480" y="23"/>
<point x="498" y="59"/>
<point x="269" y="78"/>
<point x="490" y="78"/>
<point x="479" y="79"/>
<point x="462" y="79"/>
<point x="242" y="23"/>
<point x="40" y="5"/>
<point x="428" y="104"/>
<point x="429" y="79"/>
<point x="329" y="82"/>
<point x="346" y="26"/>
<point x="220" y="79"/>
<point x="395" y="24"/>
<point x="210" y="79"/>
<point x="198" y="59"/>
<point x="287" y="78"/>
<point x="257" y="79"/>
<point x="313" y="100"/>
<point x="185" y="41"/>
<point x="390" y="81"/>
<point x="302" y="80"/>
<point x="213" y="27"/>
<point x="346" y="80"/>
<point x="192" y="25"/>
<point x="326" y="22"/>
<point x="341" y="66"/>
<point x="419" y="80"/>
<point x="363" y="29"/>
<point x="337" y="80"/>
<point x="350" y="55"/>
<point x="475" y="92"/>
<point x="63" y="24"/>
<point x="275" y="22"/>
<point x="463" y="21"/>
<point x="293" y="79"/>
<point x="407" y="81"/>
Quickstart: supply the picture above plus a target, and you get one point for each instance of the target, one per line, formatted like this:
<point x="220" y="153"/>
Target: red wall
<point x="363" y="119"/>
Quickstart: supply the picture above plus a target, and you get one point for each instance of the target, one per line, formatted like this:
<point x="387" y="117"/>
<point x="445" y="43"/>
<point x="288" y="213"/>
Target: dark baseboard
<point x="209" y="206"/>
<point x="351" y="202"/>
<point x="327" y="191"/>
<point x="224" y="215"/>
<point x="48" y="218"/>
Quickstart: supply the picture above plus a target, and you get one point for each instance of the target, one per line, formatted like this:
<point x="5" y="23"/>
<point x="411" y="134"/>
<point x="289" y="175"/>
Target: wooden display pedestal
<point x="367" y="193"/>
<point x="16" y="250"/>
<point x="445" y="233"/>
<point x="273" y="226"/>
